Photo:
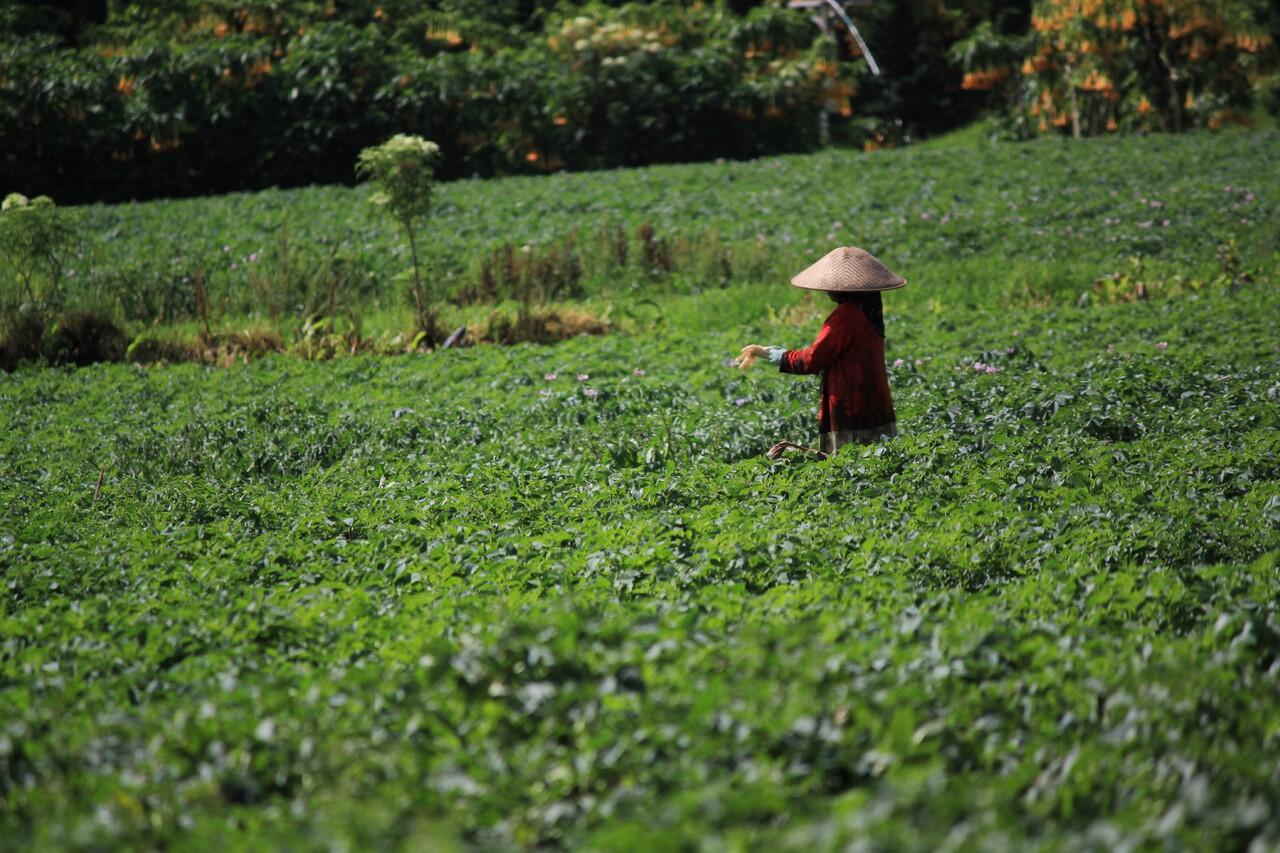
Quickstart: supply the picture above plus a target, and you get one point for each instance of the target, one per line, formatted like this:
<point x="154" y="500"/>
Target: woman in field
<point x="848" y="353"/>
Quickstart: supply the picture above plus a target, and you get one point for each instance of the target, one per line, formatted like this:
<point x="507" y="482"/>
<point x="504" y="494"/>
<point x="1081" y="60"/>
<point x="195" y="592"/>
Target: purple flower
<point x="234" y="265"/>
<point x="1010" y="350"/>
<point x="979" y="366"/>
<point x="550" y="377"/>
<point x="897" y="362"/>
<point x="1163" y="345"/>
<point x="992" y="369"/>
<point x="544" y="392"/>
<point x="253" y="256"/>
<point x="1146" y="224"/>
<point x="590" y="393"/>
<point x="582" y="377"/>
<point x="638" y="371"/>
<point x="741" y="401"/>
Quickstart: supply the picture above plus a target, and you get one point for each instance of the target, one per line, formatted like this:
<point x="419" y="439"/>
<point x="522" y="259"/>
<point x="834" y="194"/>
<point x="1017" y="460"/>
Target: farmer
<point x="848" y="352"/>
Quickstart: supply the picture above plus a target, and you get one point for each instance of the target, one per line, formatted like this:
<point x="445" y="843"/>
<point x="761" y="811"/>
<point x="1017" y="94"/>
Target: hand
<point x="780" y="448"/>
<point x="749" y="355"/>
<point x="783" y="446"/>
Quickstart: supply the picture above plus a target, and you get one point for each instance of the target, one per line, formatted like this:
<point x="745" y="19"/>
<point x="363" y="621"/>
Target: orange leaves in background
<point x="985" y="79"/>
<point x="1095" y="81"/>
<point x="1158" y="63"/>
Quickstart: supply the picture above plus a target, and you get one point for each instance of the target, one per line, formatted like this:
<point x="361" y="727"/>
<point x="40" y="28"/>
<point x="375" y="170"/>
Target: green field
<point x="974" y="223"/>
<point x="517" y="596"/>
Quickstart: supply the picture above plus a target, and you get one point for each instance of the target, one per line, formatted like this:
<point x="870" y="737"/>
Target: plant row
<point x="556" y="596"/>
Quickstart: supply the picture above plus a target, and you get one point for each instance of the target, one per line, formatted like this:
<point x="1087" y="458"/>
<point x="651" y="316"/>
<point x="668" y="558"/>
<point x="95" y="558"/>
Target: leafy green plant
<point x="556" y="596"/>
<point x="36" y="236"/>
<point x="403" y="169"/>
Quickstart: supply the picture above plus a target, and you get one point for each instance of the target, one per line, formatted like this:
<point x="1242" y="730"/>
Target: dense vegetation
<point x="1092" y="67"/>
<point x="136" y="100"/>
<point x="321" y="270"/>
<point x="555" y="595"/>
<point x="163" y="103"/>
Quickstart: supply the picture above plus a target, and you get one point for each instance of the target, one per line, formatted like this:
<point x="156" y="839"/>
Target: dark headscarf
<point x="870" y="304"/>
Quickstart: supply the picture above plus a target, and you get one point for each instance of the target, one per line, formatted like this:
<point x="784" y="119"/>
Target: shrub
<point x="86" y="337"/>
<point x="35" y="237"/>
<point x="20" y="337"/>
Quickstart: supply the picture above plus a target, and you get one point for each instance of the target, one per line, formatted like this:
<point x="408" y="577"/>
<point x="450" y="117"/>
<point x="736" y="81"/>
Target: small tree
<point x="403" y="169"/>
<point x="34" y="238"/>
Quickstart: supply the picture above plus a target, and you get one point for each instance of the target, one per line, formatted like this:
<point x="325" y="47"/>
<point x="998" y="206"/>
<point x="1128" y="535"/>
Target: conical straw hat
<point x="851" y="270"/>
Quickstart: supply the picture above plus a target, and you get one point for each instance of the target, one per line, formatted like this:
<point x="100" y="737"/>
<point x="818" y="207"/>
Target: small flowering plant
<point x="403" y="170"/>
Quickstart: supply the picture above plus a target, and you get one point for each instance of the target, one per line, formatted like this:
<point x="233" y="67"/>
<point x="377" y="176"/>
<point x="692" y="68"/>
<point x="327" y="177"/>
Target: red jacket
<point x="849" y="354"/>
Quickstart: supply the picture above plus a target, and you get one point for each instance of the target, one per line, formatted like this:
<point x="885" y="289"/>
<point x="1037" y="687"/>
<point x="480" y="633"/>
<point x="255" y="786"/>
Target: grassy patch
<point x="1031" y="224"/>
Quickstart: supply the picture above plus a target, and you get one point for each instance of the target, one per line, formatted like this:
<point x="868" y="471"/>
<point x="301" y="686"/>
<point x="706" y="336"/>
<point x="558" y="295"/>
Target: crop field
<point x="506" y="597"/>
<point x="978" y="223"/>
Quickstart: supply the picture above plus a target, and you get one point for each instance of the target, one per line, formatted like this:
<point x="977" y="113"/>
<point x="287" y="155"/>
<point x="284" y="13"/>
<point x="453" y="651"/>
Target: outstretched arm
<point x="832" y="340"/>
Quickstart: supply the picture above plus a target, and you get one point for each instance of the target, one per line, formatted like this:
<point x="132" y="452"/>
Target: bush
<point x="20" y="337"/>
<point x="35" y="237"/>
<point x="86" y="337"/>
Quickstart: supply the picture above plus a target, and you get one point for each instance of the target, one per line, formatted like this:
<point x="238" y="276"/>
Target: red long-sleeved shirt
<point x="849" y="354"/>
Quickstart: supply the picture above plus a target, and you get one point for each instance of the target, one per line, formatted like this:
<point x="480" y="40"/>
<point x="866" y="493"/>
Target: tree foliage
<point x="1094" y="66"/>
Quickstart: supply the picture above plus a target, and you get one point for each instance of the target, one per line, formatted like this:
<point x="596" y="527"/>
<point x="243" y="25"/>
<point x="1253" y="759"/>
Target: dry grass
<point x="540" y="326"/>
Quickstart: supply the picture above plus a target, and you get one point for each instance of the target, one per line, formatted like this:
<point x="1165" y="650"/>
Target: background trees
<point x="131" y="100"/>
<point x="1095" y="66"/>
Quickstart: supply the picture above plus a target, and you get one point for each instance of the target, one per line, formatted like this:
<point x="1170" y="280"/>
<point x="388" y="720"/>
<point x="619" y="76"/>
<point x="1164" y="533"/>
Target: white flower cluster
<point x="403" y="143"/>
<point x="16" y="201"/>
<point x="613" y="38"/>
